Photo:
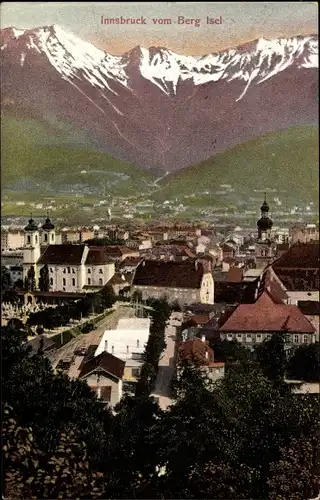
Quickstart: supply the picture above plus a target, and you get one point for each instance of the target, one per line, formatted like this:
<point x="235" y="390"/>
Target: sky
<point x="240" y="22"/>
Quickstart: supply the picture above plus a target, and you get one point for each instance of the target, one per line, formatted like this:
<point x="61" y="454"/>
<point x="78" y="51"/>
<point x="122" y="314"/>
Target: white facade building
<point x="129" y="339"/>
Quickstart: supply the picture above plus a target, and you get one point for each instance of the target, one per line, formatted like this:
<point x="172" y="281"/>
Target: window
<point x="89" y="271"/>
<point x="268" y="336"/>
<point x="73" y="271"/>
<point x="36" y="239"/>
<point x="296" y="339"/>
<point x="28" y="239"/>
<point x="306" y="339"/>
<point x="135" y="372"/>
<point x="52" y="237"/>
<point x="100" y="281"/>
<point x="112" y="349"/>
<point x="89" y="281"/>
<point x="100" y="271"/>
<point x="68" y="270"/>
<point x="249" y="336"/>
<point x="105" y="345"/>
<point x="64" y="271"/>
<point x="229" y="336"/>
<point x="138" y="343"/>
<point x="51" y="270"/>
<point x="127" y="349"/>
<point x="64" y="281"/>
<point x="73" y="282"/>
<point x="45" y="237"/>
<point x="239" y="336"/>
<point x="51" y="281"/>
<point x="63" y="289"/>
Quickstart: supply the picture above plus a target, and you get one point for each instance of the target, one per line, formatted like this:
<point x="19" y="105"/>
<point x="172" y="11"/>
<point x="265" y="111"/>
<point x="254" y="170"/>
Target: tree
<point x="64" y="472"/>
<point x="6" y="283"/>
<point x="304" y="364"/>
<point x="230" y="351"/>
<point x="160" y="313"/>
<point x="272" y="357"/>
<point x="29" y="281"/>
<point x="132" y="455"/>
<point x="44" y="280"/>
<point x="47" y="401"/>
<point x="220" y="440"/>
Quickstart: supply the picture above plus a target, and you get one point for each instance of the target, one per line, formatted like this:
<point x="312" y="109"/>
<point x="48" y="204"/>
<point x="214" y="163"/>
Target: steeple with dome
<point x="31" y="249"/>
<point x="48" y="232"/>
<point x="264" y="224"/>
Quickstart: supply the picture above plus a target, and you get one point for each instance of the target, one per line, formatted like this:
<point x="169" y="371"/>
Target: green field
<point x="31" y="153"/>
<point x="285" y="160"/>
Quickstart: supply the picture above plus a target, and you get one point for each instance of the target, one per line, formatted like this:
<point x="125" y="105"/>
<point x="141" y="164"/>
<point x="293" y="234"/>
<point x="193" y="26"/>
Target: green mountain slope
<point x="286" y="161"/>
<point x="35" y="154"/>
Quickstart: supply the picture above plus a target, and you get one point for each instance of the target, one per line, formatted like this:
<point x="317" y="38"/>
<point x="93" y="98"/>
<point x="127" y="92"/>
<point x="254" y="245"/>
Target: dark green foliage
<point x="44" y="282"/>
<point x="47" y="401"/>
<point x="230" y="351"/>
<point x="30" y="281"/>
<point x="160" y="314"/>
<point x="272" y="357"/>
<point x="65" y="472"/>
<point x="304" y="364"/>
<point x="6" y="283"/>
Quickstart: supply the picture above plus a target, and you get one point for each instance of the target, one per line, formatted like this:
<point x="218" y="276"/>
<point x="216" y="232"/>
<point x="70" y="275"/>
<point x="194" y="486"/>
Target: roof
<point x="62" y="254"/>
<point x="131" y="261"/>
<point x="186" y="274"/>
<point x="309" y="307"/>
<point x="103" y="362"/>
<point x="116" y="250"/>
<point x="199" y="319"/>
<point x="272" y="285"/>
<point x="301" y="256"/>
<point x="267" y="316"/>
<point x="194" y="350"/>
<point x="235" y="274"/>
<point x="97" y="256"/>
<point x="119" y="279"/>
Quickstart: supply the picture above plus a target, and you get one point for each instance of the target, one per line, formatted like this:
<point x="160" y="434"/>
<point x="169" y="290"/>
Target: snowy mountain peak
<point x="252" y="63"/>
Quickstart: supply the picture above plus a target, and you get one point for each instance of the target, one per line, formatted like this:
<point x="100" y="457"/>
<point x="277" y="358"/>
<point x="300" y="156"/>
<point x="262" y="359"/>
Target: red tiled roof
<point x="200" y="319"/>
<point x="105" y="362"/>
<point x="194" y="350"/>
<point x="62" y="255"/>
<point x="266" y="316"/>
<point x="117" y="250"/>
<point x="170" y="274"/>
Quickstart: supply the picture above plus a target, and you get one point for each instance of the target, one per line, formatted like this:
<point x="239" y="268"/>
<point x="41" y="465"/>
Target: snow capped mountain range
<point x="154" y="107"/>
<point x="263" y="59"/>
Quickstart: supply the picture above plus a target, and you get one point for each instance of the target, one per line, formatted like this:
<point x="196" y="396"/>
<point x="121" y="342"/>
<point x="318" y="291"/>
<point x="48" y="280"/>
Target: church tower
<point x="31" y="249"/>
<point x="265" y="247"/>
<point x="48" y="236"/>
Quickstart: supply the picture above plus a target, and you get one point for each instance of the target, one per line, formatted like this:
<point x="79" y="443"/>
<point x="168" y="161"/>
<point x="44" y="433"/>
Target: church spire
<point x="264" y="224"/>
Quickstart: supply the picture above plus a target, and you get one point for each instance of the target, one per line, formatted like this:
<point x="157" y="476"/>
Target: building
<point x="127" y="342"/>
<point x="103" y="374"/>
<point x="72" y="268"/>
<point x="298" y="271"/>
<point x="304" y="233"/>
<point x="251" y="324"/>
<point x="11" y="239"/>
<point x="186" y="282"/>
<point x="265" y="247"/>
<point x="197" y="351"/>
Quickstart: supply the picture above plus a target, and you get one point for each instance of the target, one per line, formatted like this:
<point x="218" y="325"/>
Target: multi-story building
<point x="303" y="233"/>
<point x="11" y="239"/>
<point x="186" y="282"/>
<point x="71" y="267"/>
<point x="251" y="324"/>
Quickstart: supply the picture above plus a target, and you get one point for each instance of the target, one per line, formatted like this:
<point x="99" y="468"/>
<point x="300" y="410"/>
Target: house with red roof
<point x="197" y="351"/>
<point x="251" y="324"/>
